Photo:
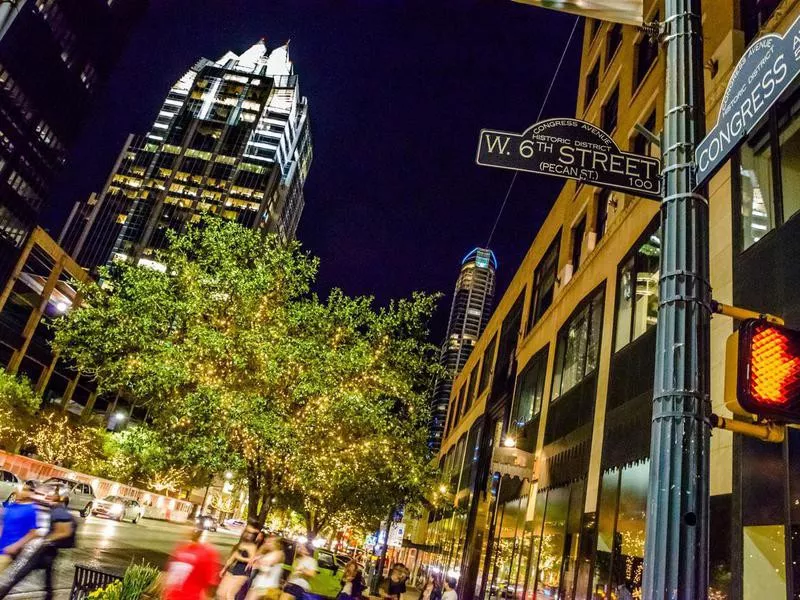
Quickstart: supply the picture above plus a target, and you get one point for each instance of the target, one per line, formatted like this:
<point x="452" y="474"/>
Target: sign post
<point x="676" y="542"/>
<point x="571" y="149"/>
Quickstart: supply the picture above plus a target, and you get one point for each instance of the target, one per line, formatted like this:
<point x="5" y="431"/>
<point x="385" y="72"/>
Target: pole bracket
<point x="766" y="432"/>
<point x="741" y="314"/>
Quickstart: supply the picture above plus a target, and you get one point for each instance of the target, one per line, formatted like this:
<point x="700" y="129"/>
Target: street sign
<point x="396" y="534"/>
<point x="768" y="68"/>
<point x="620" y="11"/>
<point x="571" y="149"/>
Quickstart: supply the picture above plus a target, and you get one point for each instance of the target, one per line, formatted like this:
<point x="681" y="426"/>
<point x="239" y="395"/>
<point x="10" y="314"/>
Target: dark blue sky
<point x="398" y="91"/>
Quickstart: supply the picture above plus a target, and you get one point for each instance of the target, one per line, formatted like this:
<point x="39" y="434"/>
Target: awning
<point x="513" y="462"/>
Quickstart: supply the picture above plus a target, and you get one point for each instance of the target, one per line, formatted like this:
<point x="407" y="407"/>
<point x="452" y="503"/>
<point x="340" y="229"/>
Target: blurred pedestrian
<point x="449" y="589"/>
<point x="236" y="571"/>
<point x="20" y="524"/>
<point x="40" y="553"/>
<point x="431" y="589"/>
<point x="397" y="581"/>
<point x="304" y="568"/>
<point x="352" y="582"/>
<point x="192" y="569"/>
<point x="269" y="566"/>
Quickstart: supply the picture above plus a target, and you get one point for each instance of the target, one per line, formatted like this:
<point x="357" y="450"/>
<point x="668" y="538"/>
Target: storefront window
<point x="544" y="284"/>
<point x="578" y="345"/>
<point x="629" y="558"/>
<point x="637" y="289"/>
<point x="606" y="524"/>
<point x="536" y="541"/>
<point x="553" y="538"/>
<point x="790" y="167"/>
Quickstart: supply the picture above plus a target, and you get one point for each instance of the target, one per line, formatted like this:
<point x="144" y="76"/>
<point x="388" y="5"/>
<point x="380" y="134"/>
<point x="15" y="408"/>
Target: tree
<point x="243" y="368"/>
<point x="59" y="441"/>
<point x="18" y="404"/>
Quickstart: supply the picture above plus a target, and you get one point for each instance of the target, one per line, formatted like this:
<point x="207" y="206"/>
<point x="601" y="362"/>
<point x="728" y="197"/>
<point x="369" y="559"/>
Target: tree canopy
<point x="319" y="403"/>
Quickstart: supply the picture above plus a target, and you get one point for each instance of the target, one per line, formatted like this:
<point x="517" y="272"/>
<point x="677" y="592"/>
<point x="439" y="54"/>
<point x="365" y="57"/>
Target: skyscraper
<point x="469" y="313"/>
<point x="53" y="56"/>
<point x="231" y="138"/>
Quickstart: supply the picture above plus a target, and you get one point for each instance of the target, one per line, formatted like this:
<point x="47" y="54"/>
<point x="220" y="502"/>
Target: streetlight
<point x="443" y="489"/>
<point x="510" y="442"/>
<point x="228" y="475"/>
<point x="62" y="306"/>
<point x="120" y="416"/>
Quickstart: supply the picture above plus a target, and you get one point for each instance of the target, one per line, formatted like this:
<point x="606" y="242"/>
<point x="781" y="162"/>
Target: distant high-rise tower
<point x="232" y="138"/>
<point x="54" y="54"/>
<point x="469" y="313"/>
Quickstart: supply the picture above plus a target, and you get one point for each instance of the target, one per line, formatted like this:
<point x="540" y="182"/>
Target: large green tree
<point x="243" y="368"/>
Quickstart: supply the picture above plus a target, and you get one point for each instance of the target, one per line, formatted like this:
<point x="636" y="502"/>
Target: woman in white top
<point x="305" y="567"/>
<point x="269" y="563"/>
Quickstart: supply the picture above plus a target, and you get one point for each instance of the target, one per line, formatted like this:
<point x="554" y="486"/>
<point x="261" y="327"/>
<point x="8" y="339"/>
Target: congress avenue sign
<point x="571" y="149"/>
<point x="768" y="68"/>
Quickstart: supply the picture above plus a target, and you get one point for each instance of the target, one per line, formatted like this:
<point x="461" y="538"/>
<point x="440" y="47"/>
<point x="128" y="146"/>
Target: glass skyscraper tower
<point x="232" y="138"/>
<point x="469" y="313"/>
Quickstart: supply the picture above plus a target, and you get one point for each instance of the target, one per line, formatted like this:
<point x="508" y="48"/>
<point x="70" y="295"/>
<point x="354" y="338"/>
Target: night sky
<point x="398" y="91"/>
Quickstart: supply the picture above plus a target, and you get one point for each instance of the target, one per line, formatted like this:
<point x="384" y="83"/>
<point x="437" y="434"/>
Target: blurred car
<point x="9" y="485"/>
<point x="81" y="495"/>
<point x="326" y="584"/>
<point x="118" y="508"/>
<point x="234" y="524"/>
<point x="206" y="522"/>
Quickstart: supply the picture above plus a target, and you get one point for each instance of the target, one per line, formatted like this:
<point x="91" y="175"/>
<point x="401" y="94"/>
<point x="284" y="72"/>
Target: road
<point x="110" y="545"/>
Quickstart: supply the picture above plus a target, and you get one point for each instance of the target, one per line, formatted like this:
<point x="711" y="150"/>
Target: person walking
<point x="397" y="581"/>
<point x="305" y="567"/>
<point x="449" y="589"/>
<point x="352" y="582"/>
<point x="269" y="564"/>
<point x="193" y="569"/>
<point x="431" y="589"/>
<point x="235" y="573"/>
<point x="20" y="524"/>
<point x="40" y="553"/>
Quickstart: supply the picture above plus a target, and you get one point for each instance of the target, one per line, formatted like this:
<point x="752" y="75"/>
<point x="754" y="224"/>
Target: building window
<point x="637" y="288"/>
<point x="645" y="56"/>
<point x="755" y="13"/>
<point x="608" y="118"/>
<point x="592" y="83"/>
<point x="544" y="284"/>
<point x="473" y="376"/>
<point x="768" y="196"/>
<point x="601" y="220"/>
<point x="613" y="42"/>
<point x="488" y="363"/>
<point x="578" y="345"/>
<point x="577" y="243"/>
<point x="641" y="144"/>
<point x="530" y="390"/>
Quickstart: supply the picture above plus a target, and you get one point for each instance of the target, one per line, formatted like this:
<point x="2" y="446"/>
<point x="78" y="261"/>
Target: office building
<point x="54" y="54"/>
<point x="469" y="313"/>
<point x="545" y="476"/>
<point x="231" y="138"/>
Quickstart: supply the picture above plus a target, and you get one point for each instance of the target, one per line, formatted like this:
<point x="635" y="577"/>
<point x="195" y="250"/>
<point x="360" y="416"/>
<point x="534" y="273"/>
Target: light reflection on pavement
<point x="112" y="546"/>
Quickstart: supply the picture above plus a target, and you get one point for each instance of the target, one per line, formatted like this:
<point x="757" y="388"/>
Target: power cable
<point x="539" y="116"/>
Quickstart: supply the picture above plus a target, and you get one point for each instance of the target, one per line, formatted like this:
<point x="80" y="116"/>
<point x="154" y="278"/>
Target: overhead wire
<point x="538" y="117"/>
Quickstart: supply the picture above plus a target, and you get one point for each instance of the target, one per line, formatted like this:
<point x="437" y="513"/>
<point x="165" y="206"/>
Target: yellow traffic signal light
<point x="765" y="371"/>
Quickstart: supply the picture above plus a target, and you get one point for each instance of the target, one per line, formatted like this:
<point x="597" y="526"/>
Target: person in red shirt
<point x="192" y="570"/>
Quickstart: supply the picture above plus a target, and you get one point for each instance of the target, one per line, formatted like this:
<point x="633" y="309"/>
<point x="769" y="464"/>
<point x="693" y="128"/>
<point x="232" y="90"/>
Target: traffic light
<point x="767" y="371"/>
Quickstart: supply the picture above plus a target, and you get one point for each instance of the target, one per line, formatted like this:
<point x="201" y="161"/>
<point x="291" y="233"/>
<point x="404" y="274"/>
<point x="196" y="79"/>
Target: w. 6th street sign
<point x="571" y="149"/>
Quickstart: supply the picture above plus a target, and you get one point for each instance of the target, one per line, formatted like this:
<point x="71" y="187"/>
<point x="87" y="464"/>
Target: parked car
<point x="81" y="495"/>
<point x="9" y="485"/>
<point x="206" y="522"/>
<point x="234" y="524"/>
<point x="118" y="508"/>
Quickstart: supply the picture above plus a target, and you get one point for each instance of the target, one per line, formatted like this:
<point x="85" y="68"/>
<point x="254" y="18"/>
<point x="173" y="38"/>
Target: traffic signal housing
<point x="766" y="371"/>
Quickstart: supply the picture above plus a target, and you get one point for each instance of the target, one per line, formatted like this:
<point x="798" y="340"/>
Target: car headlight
<point x="117" y="509"/>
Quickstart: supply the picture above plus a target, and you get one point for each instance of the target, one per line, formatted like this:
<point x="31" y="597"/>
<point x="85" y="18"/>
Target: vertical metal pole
<point x="676" y="552"/>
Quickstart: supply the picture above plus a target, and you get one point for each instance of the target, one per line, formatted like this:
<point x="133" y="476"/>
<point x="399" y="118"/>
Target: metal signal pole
<point x="676" y="552"/>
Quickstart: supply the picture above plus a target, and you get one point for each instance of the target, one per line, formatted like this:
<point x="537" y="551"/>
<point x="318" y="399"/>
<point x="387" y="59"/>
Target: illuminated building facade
<point x="469" y="313"/>
<point x="232" y="138"/>
<point x="54" y="54"/>
<point x="543" y="485"/>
